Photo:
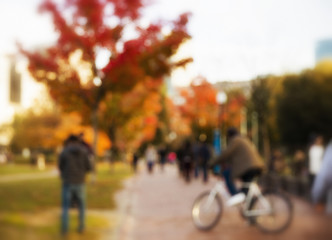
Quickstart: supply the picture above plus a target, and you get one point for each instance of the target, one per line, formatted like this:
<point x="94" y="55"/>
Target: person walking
<point x="187" y="160"/>
<point x="204" y="158"/>
<point x="135" y="161"/>
<point x="73" y="164"/>
<point x="151" y="157"/>
<point x="197" y="163"/>
<point x="316" y="152"/>
<point x="162" y="152"/>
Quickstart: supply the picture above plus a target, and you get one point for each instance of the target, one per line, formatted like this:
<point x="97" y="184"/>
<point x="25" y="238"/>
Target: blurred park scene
<point x="130" y="74"/>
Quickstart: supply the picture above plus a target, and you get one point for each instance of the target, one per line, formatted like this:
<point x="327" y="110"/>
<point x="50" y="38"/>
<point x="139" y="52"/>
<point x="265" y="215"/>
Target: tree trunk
<point x="95" y="136"/>
<point x="254" y="129"/>
<point x="266" y="143"/>
<point x="112" y="137"/>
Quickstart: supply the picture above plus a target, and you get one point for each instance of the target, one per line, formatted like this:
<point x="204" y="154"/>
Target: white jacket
<point x="151" y="155"/>
<point x="316" y="153"/>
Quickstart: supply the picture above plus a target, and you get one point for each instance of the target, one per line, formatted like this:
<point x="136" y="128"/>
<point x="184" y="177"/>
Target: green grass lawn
<point x="46" y="225"/>
<point x="10" y="169"/>
<point x="23" y="201"/>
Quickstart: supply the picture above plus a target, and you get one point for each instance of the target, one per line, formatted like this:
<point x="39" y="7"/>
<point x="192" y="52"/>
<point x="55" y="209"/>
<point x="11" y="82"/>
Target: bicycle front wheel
<point x="274" y="212"/>
<point x="206" y="211"/>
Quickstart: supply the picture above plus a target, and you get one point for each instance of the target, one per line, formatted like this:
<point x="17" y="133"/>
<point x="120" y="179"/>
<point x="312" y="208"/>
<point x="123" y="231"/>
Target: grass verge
<point x="31" y="209"/>
<point x="11" y="169"/>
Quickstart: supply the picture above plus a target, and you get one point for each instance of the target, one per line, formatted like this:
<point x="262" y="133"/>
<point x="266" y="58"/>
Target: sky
<point x="232" y="40"/>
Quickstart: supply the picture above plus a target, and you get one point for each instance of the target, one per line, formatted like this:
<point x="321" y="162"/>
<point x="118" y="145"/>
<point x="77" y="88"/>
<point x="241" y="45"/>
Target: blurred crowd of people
<point x="313" y="165"/>
<point x="191" y="158"/>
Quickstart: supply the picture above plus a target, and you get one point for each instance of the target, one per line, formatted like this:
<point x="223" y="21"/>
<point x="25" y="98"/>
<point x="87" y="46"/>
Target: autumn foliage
<point x="200" y="103"/>
<point x="233" y="110"/>
<point x="203" y="114"/>
<point x="88" y="29"/>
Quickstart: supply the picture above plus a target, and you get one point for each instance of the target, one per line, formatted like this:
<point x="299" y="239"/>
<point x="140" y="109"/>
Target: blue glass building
<point x="324" y="50"/>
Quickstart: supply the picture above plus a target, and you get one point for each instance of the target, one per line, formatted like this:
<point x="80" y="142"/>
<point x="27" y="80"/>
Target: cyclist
<point x="239" y="160"/>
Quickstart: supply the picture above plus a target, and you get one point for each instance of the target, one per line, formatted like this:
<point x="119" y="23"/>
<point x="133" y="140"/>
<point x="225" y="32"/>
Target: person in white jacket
<point x="316" y="152"/>
<point x="151" y="157"/>
<point x="322" y="187"/>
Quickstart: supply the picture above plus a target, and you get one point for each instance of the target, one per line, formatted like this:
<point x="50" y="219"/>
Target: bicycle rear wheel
<point x="278" y="215"/>
<point x="206" y="211"/>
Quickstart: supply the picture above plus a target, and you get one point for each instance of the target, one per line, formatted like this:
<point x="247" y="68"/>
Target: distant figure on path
<point x="277" y="162"/>
<point x="73" y="164"/>
<point x="204" y="158"/>
<point x="151" y="157"/>
<point x="316" y="152"/>
<point x="187" y="160"/>
<point x="162" y="152"/>
<point x="299" y="163"/>
<point x="135" y="161"/>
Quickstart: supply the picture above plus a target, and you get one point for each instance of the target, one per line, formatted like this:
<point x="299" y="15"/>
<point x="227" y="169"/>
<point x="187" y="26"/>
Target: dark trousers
<point x="227" y="174"/>
<point x="248" y="176"/>
<point x="68" y="190"/>
<point x="205" y="172"/>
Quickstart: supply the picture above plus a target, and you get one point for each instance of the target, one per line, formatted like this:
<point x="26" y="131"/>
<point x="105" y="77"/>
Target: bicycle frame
<point x="255" y="206"/>
<point x="254" y="192"/>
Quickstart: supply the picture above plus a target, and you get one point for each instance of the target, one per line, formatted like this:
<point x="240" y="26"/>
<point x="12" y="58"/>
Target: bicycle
<point x="271" y="211"/>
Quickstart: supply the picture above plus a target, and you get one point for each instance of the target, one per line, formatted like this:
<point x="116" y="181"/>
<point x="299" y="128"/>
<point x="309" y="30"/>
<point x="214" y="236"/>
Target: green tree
<point x="259" y="103"/>
<point x="35" y="130"/>
<point x="304" y="107"/>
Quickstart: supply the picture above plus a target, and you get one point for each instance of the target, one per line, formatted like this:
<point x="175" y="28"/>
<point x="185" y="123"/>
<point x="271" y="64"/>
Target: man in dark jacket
<point x="239" y="160"/>
<point x="73" y="164"/>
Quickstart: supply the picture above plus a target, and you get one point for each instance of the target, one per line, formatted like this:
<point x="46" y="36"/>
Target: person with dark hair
<point x="239" y="160"/>
<point x="162" y="152"/>
<point x="204" y="157"/>
<point x="73" y="164"/>
<point x="151" y="157"/>
<point x="187" y="160"/>
<point x="315" y="155"/>
<point x="135" y="161"/>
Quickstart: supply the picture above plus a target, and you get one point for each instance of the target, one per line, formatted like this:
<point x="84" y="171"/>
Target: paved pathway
<point x="157" y="207"/>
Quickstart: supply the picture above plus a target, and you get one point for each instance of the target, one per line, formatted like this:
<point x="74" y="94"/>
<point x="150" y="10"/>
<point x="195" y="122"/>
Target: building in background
<point x="227" y="86"/>
<point x="324" y="50"/>
<point x="18" y="92"/>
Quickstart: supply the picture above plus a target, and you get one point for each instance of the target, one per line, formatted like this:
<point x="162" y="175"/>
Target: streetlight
<point x="97" y="81"/>
<point x="221" y="99"/>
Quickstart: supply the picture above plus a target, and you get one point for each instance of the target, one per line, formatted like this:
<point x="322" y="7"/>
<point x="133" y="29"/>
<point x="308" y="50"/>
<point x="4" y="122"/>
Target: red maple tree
<point x="87" y="28"/>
